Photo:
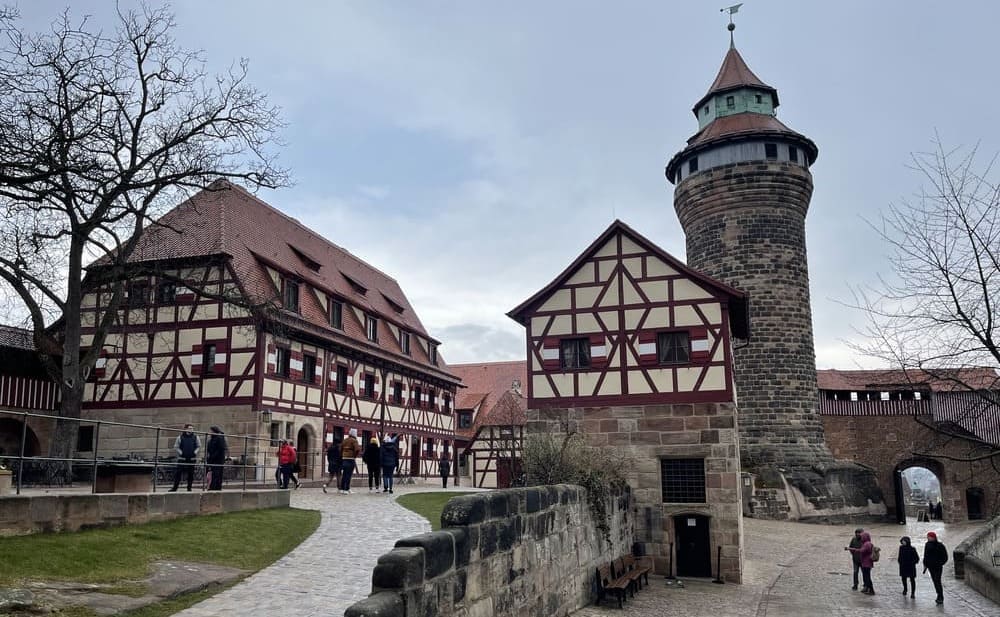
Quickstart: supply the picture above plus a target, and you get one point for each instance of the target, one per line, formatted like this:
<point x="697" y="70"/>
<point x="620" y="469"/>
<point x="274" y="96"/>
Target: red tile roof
<point x="485" y="386"/>
<point x="943" y="380"/>
<point x="228" y="220"/>
<point x="18" y="338"/>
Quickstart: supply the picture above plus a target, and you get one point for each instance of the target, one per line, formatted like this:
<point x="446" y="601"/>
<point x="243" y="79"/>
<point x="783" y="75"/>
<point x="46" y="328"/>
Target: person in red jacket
<point x="867" y="563"/>
<point x="286" y="459"/>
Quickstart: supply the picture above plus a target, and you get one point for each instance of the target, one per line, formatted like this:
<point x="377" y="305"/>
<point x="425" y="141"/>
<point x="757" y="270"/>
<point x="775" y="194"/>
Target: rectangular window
<point x="397" y="392"/>
<point x="771" y="151"/>
<point x="683" y="480"/>
<point x="731" y="102"/>
<point x="283" y="361"/>
<point x="793" y="154"/>
<point x="430" y="447"/>
<point x="417" y="398"/>
<point x="447" y="403"/>
<point x="291" y="295"/>
<point x="432" y="399"/>
<point x="433" y="353"/>
<point x="464" y="419"/>
<point x="369" y="385"/>
<point x="165" y="292"/>
<point x="85" y="439"/>
<point x="208" y="359"/>
<point x="371" y="328"/>
<point x="706" y="110"/>
<point x="404" y="342"/>
<point x="275" y="433"/>
<point x="138" y="294"/>
<point x="693" y="165"/>
<point x="337" y="314"/>
<point x="308" y="369"/>
<point x="574" y="353"/>
<point x="341" y="378"/>
<point x="673" y="347"/>
<point x="759" y="99"/>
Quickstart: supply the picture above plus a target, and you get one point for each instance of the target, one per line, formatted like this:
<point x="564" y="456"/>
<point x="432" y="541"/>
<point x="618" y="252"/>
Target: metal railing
<point x="254" y="464"/>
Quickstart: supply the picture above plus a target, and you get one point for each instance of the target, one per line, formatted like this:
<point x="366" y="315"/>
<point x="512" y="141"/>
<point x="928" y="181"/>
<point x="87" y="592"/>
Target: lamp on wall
<point x="265" y="416"/>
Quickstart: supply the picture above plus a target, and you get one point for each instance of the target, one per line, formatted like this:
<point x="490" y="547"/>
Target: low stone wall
<point x="529" y="551"/>
<point x="25" y="514"/>
<point x="973" y="560"/>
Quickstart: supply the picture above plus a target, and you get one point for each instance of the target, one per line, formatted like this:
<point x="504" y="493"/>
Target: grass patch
<point x="160" y="609"/>
<point x="249" y="540"/>
<point x="428" y="505"/>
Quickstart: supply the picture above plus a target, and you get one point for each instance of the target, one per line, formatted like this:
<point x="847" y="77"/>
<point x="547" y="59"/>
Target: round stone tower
<point x="742" y="193"/>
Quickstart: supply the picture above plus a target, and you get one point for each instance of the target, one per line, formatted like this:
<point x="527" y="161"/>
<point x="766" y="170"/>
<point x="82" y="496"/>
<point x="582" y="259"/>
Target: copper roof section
<point x="228" y="220"/>
<point x="935" y="380"/>
<point x="739" y="314"/>
<point x="734" y="74"/>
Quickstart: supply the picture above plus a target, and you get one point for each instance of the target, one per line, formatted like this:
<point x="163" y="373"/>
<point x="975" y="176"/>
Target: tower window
<point x="760" y="99"/>
<point x="793" y="154"/>
<point x="706" y="110"/>
<point x="693" y="165"/>
<point x="771" y="151"/>
<point x="731" y="102"/>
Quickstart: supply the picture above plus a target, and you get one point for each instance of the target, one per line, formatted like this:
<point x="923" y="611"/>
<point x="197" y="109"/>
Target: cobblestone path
<point x="332" y="569"/>
<point x="798" y="570"/>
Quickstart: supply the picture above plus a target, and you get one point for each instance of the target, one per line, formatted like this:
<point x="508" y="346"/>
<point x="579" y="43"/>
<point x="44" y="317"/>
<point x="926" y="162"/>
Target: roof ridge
<point x="491" y="363"/>
<point x="302" y="226"/>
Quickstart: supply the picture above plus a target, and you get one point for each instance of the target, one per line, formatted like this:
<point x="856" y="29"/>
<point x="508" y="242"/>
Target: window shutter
<point x="598" y="351"/>
<point x="196" y="360"/>
<point x="318" y="371"/>
<point x="550" y="354"/>
<point x="295" y="369"/>
<point x="272" y="359"/>
<point x="700" y="348"/>
<point x="646" y="348"/>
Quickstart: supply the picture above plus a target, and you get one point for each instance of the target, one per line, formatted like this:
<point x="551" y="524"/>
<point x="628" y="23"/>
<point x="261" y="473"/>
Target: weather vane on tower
<point x="732" y="10"/>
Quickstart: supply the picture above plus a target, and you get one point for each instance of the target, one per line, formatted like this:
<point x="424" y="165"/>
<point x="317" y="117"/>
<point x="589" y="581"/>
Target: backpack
<point x="875" y="552"/>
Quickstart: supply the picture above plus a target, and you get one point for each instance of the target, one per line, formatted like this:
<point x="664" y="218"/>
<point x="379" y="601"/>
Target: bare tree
<point x="99" y="134"/>
<point x="935" y="316"/>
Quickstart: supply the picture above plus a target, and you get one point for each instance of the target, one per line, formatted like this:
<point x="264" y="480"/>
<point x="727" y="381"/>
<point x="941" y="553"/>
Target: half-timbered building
<point x="25" y="388"/>
<point x="634" y="349"/>
<point x="240" y="316"/>
<point x="490" y="416"/>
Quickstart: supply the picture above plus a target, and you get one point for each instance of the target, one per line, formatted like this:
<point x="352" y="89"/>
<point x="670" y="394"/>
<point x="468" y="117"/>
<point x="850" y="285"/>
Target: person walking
<point x="935" y="556"/>
<point x="334" y="461"/>
<point x="348" y="452"/>
<point x="855" y="556"/>
<point x="286" y="459"/>
<point x="296" y="466"/>
<point x="373" y="463"/>
<point x="217" y="449"/>
<point x="444" y="468"/>
<point x="390" y="461"/>
<point x="908" y="559"/>
<point x="187" y="446"/>
<point x="867" y="563"/>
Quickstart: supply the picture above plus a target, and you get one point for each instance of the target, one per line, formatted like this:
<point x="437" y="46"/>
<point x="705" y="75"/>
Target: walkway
<point x="799" y="570"/>
<point x="332" y="569"/>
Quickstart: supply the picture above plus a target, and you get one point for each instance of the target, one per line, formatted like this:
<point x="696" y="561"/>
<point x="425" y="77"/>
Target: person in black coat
<point x="390" y="461"/>
<point x="372" y="458"/>
<point x="334" y="462"/>
<point x="444" y="468"/>
<point x="217" y="449"/>
<point x="908" y="559"/>
<point x="935" y="556"/>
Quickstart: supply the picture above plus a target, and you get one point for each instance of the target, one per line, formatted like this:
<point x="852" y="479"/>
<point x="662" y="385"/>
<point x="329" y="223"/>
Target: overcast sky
<point x="473" y="149"/>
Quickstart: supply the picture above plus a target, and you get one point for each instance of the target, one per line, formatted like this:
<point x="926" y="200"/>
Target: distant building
<point x="25" y="386"/>
<point x="490" y="416"/>
<point x="244" y="318"/>
<point x="633" y="349"/>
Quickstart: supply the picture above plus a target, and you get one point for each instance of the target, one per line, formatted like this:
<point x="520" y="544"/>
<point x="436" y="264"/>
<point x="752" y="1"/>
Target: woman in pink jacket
<point x="866" y="562"/>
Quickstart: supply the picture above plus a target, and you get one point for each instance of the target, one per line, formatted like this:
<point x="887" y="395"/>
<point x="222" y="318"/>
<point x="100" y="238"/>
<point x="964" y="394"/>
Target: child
<point x="908" y="559"/>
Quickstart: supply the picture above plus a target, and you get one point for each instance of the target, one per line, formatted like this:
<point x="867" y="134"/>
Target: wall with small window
<point x="736" y="102"/>
<point x="725" y="154"/>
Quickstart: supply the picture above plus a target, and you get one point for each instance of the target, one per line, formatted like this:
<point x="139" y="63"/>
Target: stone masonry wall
<point x="517" y="552"/>
<point x="973" y="560"/>
<point x="745" y="226"/>
<point x="648" y="433"/>
<point x="20" y="515"/>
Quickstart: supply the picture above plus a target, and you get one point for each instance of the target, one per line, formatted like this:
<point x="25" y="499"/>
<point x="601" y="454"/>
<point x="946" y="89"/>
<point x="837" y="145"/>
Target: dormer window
<point x="731" y="102"/>
<point x="290" y="295"/>
<point x="337" y="314"/>
<point x="371" y="328"/>
<point x="356" y="286"/>
<point x="433" y="353"/>
<point x="404" y="342"/>
<point x="306" y="260"/>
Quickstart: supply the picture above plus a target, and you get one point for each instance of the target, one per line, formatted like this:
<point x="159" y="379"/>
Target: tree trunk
<point x="63" y="443"/>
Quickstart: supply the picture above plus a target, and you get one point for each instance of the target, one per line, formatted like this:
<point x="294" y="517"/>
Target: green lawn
<point x="249" y="540"/>
<point x="428" y="505"/>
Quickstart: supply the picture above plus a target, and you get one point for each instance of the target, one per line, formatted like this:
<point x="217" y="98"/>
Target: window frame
<point x="464" y="419"/>
<point x="662" y="337"/>
<point x="432" y="352"/>
<point x="287" y="286"/>
<point x="418" y="396"/>
<point x="692" y="164"/>
<point x="397" y="393"/>
<point x="731" y="102"/>
<point x="689" y="484"/>
<point x="583" y="344"/>
<point x="143" y="299"/>
<point x="341" y="385"/>
<point x="793" y="154"/>
<point x="336" y="314"/>
<point x="368" y="388"/>
<point x="208" y="353"/>
<point x="771" y="151"/>
<point x="371" y="328"/>
<point x="165" y="285"/>
<point x="404" y="342"/>
<point x="446" y="401"/>
<point x="283" y="370"/>
<point x="308" y="368"/>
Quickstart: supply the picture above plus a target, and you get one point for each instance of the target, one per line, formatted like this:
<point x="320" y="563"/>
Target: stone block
<point x="382" y="604"/>
<point x="181" y="503"/>
<point x="532" y="500"/>
<point x="464" y="510"/>
<point x="231" y="502"/>
<point x="211" y="502"/>
<point x="113" y="507"/>
<point x="44" y="509"/>
<point x="498" y="504"/>
<point x="463" y="547"/>
<point x="14" y="509"/>
<point x="661" y="424"/>
<point x="439" y="551"/>
<point x="399" y="569"/>
<point x="80" y="512"/>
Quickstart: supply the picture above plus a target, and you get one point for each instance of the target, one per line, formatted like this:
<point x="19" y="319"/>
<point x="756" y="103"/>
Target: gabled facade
<point x="491" y="416"/>
<point x="240" y="316"/>
<point x="634" y="349"/>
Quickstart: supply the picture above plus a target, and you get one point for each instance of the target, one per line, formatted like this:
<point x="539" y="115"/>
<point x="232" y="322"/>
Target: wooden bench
<point x="608" y="583"/>
<point x="635" y="571"/>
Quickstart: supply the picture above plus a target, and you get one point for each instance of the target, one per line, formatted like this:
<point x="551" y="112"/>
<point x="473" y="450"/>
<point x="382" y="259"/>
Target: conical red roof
<point x="734" y="73"/>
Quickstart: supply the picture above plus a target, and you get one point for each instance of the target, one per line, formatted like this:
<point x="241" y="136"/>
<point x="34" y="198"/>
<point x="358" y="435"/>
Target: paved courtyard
<point x="798" y="570"/>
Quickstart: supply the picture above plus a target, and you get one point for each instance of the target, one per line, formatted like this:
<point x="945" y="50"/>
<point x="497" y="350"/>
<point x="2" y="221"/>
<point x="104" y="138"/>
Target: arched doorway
<point x="918" y="490"/>
<point x="10" y="439"/>
<point x="694" y="546"/>
<point x="302" y="446"/>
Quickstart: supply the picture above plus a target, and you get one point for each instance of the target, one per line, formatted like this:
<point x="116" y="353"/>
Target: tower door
<point x="694" y="548"/>
<point x="303" y="452"/>
<point x="974" y="498"/>
<point x="897" y="487"/>
<point x="414" y="456"/>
